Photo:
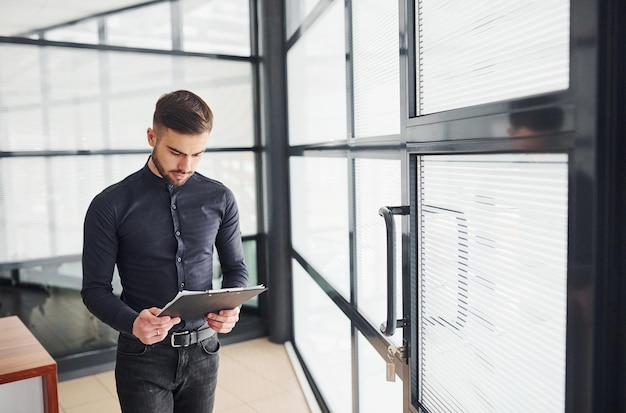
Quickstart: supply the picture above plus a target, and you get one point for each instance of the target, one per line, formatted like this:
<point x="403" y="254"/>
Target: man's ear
<point x="151" y="137"/>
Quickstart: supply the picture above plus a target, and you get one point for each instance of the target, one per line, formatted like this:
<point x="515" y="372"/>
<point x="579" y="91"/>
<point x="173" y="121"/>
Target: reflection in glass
<point x="544" y="120"/>
<point x="47" y="299"/>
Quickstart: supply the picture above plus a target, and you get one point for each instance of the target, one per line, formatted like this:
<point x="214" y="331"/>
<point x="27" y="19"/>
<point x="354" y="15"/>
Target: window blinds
<point x="376" y="68"/>
<point x="492" y="282"/>
<point x="472" y="52"/>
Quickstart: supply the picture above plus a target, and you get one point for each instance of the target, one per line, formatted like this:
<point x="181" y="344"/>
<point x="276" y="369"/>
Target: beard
<point x="167" y="176"/>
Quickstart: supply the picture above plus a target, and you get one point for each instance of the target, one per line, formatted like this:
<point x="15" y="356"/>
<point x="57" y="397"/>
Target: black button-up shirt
<point x="161" y="237"/>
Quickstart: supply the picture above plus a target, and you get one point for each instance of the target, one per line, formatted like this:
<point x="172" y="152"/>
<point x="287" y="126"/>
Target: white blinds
<point x="472" y="52"/>
<point x="376" y="68"/>
<point x="492" y="278"/>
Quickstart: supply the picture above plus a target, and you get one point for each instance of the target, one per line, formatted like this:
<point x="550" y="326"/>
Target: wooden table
<point x="22" y="357"/>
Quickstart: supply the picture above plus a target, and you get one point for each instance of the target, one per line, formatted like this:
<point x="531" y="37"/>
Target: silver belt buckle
<point x="174" y="334"/>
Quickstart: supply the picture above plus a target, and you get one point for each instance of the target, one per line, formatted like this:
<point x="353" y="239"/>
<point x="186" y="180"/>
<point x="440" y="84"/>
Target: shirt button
<point x="178" y="259"/>
<point x="178" y="233"/>
<point x="182" y="285"/>
<point x="173" y="206"/>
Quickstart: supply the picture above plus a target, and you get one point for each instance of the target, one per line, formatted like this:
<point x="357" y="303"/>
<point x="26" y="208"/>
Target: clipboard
<point x="191" y="305"/>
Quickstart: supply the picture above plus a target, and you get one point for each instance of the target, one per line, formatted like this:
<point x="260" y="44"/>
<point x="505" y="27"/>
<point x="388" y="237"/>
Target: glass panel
<point x="44" y="209"/>
<point x="20" y="82"/>
<point x="75" y="125"/>
<point x="236" y="170"/>
<point x="73" y="181"/>
<point x="226" y="86"/>
<point x="216" y="26"/>
<point x="145" y="27"/>
<point x="474" y="52"/>
<point x="70" y="74"/>
<point x="376" y="68"/>
<point x="105" y="100"/>
<point x="322" y="337"/>
<point x="319" y="217"/>
<point x="316" y="73"/>
<point x="493" y="277"/>
<point x="22" y="129"/>
<point x="131" y="72"/>
<point x="250" y="254"/>
<point x="295" y="13"/>
<point x="25" y="231"/>
<point x="377" y="184"/>
<point x="117" y="167"/>
<point x="81" y="32"/>
<point x="21" y="120"/>
<point x="376" y="394"/>
<point x="129" y="118"/>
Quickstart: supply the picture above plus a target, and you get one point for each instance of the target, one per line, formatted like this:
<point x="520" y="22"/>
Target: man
<point x="159" y="225"/>
<point x="547" y="119"/>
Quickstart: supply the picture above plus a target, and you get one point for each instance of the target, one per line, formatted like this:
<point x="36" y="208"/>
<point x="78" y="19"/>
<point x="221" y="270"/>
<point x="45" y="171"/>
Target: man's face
<point x="175" y="156"/>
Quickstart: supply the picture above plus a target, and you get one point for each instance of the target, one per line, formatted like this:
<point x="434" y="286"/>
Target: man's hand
<point x="151" y="329"/>
<point x="224" y="321"/>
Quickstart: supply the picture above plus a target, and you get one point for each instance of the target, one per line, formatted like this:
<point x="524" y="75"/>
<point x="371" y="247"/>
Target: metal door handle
<point x="388" y="328"/>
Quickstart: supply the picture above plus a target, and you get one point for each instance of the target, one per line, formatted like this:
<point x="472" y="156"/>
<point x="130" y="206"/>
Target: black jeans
<point x="163" y="379"/>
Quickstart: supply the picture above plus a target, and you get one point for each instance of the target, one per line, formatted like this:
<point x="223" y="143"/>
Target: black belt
<point x="187" y="338"/>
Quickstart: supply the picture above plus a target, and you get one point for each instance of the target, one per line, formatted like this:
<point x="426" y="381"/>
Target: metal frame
<point x="594" y="122"/>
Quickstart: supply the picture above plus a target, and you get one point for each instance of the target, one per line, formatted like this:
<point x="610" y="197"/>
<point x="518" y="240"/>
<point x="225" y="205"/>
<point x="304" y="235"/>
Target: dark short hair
<point x="548" y="118"/>
<point x="184" y="112"/>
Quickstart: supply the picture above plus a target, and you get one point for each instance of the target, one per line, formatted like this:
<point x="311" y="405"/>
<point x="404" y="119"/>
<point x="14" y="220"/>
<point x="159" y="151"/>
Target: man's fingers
<point x="224" y="321"/>
<point x="151" y="329"/>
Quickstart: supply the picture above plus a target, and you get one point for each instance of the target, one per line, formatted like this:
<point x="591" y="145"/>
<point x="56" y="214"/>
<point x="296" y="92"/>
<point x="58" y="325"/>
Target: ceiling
<point x="21" y="16"/>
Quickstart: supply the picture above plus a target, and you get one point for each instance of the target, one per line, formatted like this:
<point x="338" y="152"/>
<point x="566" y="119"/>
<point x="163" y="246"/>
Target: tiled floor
<point x="255" y="376"/>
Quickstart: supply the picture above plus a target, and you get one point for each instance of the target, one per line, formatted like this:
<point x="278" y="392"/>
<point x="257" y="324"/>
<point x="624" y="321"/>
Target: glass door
<point x="488" y="283"/>
<point x="380" y="359"/>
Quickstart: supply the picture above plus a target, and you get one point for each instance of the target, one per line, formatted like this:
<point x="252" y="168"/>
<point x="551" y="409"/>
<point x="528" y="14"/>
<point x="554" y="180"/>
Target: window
<point x="474" y="52"/>
<point x="492" y="282"/>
